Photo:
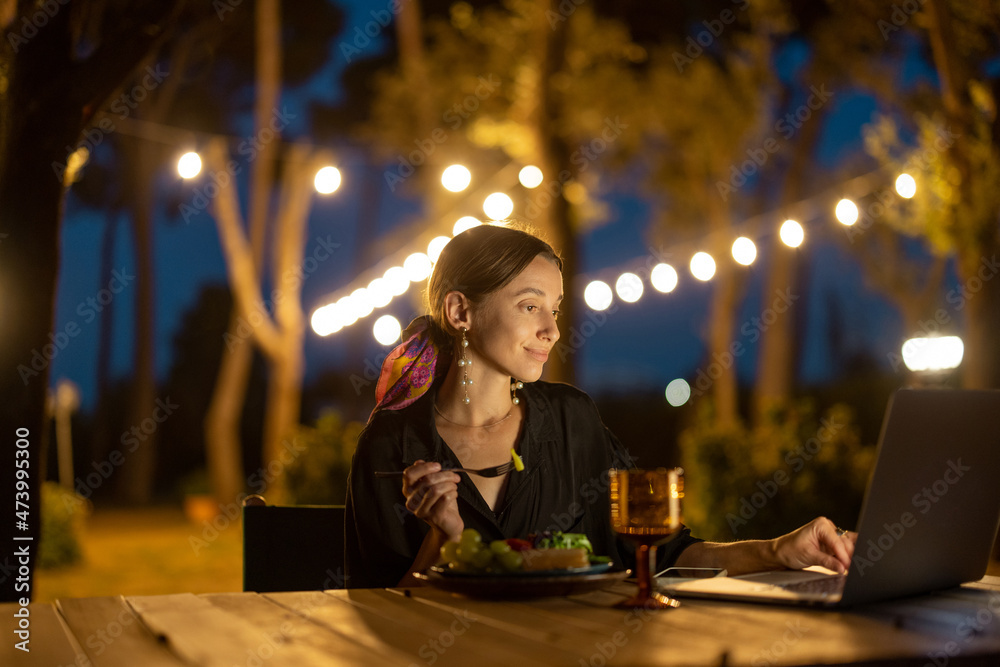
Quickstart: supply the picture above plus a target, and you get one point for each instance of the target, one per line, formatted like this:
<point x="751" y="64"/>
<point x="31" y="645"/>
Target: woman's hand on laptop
<point x="819" y="542"/>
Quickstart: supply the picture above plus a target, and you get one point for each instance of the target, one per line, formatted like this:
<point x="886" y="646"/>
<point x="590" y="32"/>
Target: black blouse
<point x="567" y="452"/>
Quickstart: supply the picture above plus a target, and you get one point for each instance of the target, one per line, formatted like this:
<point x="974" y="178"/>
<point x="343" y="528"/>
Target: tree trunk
<point x="223" y="453"/>
<point x="721" y="362"/>
<point x="981" y="297"/>
<point x="553" y="159"/>
<point x="101" y="440"/>
<point x="223" y="446"/>
<point x="138" y="471"/>
<point x="47" y="99"/>
<point x="776" y="360"/>
<point x="31" y="203"/>
<point x="284" y="400"/>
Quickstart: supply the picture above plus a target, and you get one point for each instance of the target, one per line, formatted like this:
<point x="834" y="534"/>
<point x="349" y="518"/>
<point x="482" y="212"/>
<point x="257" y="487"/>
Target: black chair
<point x="292" y="548"/>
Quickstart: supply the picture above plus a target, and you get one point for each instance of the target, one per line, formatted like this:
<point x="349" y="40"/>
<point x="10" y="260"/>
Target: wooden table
<point x="424" y="626"/>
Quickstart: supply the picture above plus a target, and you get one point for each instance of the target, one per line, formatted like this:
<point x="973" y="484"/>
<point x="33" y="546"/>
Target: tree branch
<point x="243" y="276"/>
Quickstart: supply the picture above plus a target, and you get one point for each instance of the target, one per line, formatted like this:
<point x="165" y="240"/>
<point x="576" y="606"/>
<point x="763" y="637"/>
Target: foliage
<point x="318" y="476"/>
<point x="63" y="513"/>
<point x="763" y="481"/>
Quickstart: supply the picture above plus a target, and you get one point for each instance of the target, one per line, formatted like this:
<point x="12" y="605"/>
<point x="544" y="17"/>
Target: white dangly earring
<point x="464" y="364"/>
<point x="514" y="386"/>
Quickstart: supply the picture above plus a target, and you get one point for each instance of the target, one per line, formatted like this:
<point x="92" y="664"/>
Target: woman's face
<point x="513" y="330"/>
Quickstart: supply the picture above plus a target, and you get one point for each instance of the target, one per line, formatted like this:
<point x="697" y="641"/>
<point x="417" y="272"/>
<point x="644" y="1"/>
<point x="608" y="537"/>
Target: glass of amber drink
<point x="646" y="509"/>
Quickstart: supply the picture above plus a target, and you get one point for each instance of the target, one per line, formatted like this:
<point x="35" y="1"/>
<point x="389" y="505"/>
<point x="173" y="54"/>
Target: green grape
<point x="471" y="536"/>
<point x="467" y="552"/>
<point x="499" y="547"/>
<point x="482" y="558"/>
<point x="511" y="560"/>
<point x="448" y="552"/>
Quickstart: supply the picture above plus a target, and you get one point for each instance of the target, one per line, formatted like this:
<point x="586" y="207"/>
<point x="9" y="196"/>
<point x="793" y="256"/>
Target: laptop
<point x="929" y="517"/>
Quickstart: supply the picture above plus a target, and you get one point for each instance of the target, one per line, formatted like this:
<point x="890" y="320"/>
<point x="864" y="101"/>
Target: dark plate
<point x="524" y="585"/>
<point x="590" y="569"/>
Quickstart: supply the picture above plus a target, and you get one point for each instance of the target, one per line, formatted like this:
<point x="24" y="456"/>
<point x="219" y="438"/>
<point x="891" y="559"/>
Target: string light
<point x="663" y="277"/>
<point x="744" y="251"/>
<point x="417" y="267"/>
<point x="435" y="247"/>
<point x="456" y="178"/>
<point x="379" y="292"/>
<point x="397" y="280"/>
<point x="189" y="165"/>
<point x="906" y="186"/>
<point x="498" y="206"/>
<point x="792" y="234"/>
<point x="702" y="266"/>
<point x="387" y="330"/>
<point x="629" y="287"/>
<point x="678" y="392"/>
<point x="846" y="212"/>
<point x="327" y="180"/>
<point x="530" y="177"/>
<point x="463" y="224"/>
<point x="597" y="295"/>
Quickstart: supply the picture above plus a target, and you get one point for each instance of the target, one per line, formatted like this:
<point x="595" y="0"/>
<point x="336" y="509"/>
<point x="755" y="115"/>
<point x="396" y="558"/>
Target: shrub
<point x="760" y="482"/>
<point x="319" y="475"/>
<point x="63" y="513"/>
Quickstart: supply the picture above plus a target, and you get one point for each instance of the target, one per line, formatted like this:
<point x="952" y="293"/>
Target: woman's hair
<point x="478" y="262"/>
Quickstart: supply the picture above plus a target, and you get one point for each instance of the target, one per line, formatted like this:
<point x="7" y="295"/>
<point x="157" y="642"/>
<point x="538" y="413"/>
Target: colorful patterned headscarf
<point x="409" y="370"/>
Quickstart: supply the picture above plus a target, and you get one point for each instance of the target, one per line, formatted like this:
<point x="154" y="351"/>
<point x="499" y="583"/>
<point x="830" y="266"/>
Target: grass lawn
<point x="148" y="552"/>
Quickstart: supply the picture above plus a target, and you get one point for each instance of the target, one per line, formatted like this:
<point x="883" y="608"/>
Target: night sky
<point x="615" y="359"/>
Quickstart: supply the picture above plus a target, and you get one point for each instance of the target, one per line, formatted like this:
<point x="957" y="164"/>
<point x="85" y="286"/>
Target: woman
<point x="463" y="391"/>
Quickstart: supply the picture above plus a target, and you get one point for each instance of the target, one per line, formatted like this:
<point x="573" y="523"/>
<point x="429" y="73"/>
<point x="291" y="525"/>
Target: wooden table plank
<point x="706" y="633"/>
<point x="510" y="644"/>
<point x="50" y="642"/>
<point x="439" y="639"/>
<point x="339" y="618"/>
<point x="111" y="635"/>
<point x="586" y="625"/>
<point x="203" y="634"/>
<point x="271" y="617"/>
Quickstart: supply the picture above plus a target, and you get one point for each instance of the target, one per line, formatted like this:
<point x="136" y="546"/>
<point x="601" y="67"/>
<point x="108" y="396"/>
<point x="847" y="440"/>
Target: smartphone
<point x="691" y="573"/>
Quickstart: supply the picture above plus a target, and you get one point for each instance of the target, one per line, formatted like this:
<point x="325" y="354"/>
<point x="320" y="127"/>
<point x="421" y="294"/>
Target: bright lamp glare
<point x="387" y="330"/>
<point x="663" y="277"/>
<point x="702" y="266"/>
<point x="379" y="292"/>
<point x="933" y="354"/>
<point x="744" y="251"/>
<point x="678" y="392"/>
<point x="498" y="206"/>
<point x="464" y="223"/>
<point x="530" y="176"/>
<point x="345" y="311"/>
<point x="189" y="165"/>
<point x="362" y="302"/>
<point x="847" y="212"/>
<point x="417" y="266"/>
<point x="397" y="281"/>
<point x="629" y="287"/>
<point x="324" y="320"/>
<point x="597" y="295"/>
<point x="906" y="187"/>
<point x="792" y="234"/>
<point x="327" y="180"/>
<point x="435" y="247"/>
<point x="456" y="178"/>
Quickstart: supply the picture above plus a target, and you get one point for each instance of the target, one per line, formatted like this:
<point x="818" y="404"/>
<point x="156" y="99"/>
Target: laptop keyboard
<point x="820" y="585"/>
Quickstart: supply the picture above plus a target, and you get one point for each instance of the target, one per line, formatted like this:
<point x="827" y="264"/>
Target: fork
<point x="495" y="471"/>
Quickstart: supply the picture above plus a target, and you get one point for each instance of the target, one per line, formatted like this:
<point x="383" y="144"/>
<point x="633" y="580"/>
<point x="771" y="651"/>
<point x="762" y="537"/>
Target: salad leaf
<point x="555" y="539"/>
